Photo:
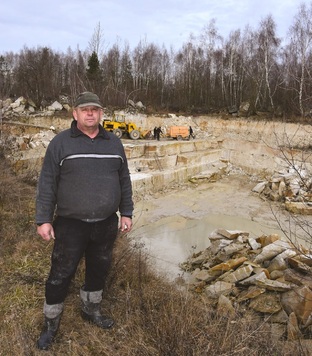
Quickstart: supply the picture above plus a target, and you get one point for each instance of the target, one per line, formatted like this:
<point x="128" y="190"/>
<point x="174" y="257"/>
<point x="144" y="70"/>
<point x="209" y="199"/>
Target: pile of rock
<point x="269" y="275"/>
<point x="26" y="107"/>
<point x="292" y="186"/>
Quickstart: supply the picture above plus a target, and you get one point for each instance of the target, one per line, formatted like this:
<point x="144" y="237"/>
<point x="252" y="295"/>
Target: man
<point x="84" y="181"/>
<point x="158" y="132"/>
<point x="191" y="132"/>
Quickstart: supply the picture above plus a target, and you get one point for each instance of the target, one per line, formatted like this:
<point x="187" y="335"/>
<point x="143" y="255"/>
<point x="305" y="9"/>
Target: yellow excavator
<point x="120" y="128"/>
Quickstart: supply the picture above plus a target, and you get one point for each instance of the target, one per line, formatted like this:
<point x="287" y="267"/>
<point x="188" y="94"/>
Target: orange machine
<point x="179" y="132"/>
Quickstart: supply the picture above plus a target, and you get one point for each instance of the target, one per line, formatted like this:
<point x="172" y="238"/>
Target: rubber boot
<point x="90" y="309"/>
<point x="51" y="324"/>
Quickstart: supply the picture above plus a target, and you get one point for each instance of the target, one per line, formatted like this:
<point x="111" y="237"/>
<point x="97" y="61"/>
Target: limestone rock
<point x="270" y="275"/>
<point x="298" y="265"/>
<point x="228" y="265"/>
<point x="229" y="250"/>
<point x="266" y="303"/>
<point x="292" y="186"/>
<point x="240" y="274"/>
<point x="282" y="189"/>
<point x="218" y="288"/>
<point x="280" y="261"/>
<point x="217" y="245"/>
<point x="276" y="274"/>
<point x="259" y="188"/>
<point x="298" y="208"/>
<point x="254" y="244"/>
<point x="250" y="293"/>
<point x="225" y="306"/>
<point x="306" y="258"/>
<point x="19" y="109"/>
<point x="199" y="259"/>
<point x="253" y="279"/>
<point x="299" y="301"/>
<point x="274" y="285"/>
<point x="272" y="250"/>
<point x="298" y="278"/>
<point x="293" y="332"/>
<point x="56" y="106"/>
<point x="265" y="240"/>
<point x="280" y="317"/>
<point x="231" y="234"/>
<point x="207" y="276"/>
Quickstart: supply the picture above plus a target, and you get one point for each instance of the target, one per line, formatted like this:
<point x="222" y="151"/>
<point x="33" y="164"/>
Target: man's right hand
<point x="46" y="231"/>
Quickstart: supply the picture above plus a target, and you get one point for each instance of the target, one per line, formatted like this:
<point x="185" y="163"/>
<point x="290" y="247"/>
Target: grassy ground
<point x="152" y="317"/>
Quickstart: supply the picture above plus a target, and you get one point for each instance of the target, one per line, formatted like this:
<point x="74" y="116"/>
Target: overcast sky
<point x="59" y="24"/>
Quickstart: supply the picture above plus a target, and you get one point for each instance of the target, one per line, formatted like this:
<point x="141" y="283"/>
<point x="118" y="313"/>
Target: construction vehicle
<point x="120" y="128"/>
<point x="179" y="132"/>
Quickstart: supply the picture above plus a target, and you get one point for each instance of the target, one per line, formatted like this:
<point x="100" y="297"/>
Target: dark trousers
<point x="73" y="240"/>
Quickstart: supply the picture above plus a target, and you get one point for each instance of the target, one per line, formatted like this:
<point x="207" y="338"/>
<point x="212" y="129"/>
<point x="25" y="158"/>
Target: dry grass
<point x="152" y="317"/>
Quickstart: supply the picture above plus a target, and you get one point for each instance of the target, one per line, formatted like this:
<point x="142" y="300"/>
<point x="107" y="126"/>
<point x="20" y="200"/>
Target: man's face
<point x="87" y="117"/>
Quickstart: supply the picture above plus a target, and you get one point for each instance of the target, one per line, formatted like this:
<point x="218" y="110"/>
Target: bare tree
<point x="232" y="74"/>
<point x="213" y="71"/>
<point x="166" y="76"/>
<point x="185" y="60"/>
<point x="38" y="75"/>
<point x="96" y="43"/>
<point x="268" y="52"/>
<point x="111" y="65"/>
<point x="146" y="59"/>
<point x="6" y="74"/>
<point x="126" y="72"/>
<point x="299" y="57"/>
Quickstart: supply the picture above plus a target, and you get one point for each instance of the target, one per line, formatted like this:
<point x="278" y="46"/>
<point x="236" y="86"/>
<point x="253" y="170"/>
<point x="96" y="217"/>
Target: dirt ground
<point x="230" y="196"/>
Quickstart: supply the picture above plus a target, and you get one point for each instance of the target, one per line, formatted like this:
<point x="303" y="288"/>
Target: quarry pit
<point x="185" y="189"/>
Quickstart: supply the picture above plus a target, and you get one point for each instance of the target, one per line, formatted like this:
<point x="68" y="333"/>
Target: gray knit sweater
<point x="84" y="178"/>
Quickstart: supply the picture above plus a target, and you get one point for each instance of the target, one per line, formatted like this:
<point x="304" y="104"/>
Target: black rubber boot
<point x="91" y="311"/>
<point x="94" y="316"/>
<point x="48" y="333"/>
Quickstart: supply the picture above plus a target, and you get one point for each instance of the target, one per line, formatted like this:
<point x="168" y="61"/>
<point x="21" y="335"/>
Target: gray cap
<point x="87" y="99"/>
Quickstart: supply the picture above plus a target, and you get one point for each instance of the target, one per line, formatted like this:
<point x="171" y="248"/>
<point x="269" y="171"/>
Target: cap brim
<point x="89" y="104"/>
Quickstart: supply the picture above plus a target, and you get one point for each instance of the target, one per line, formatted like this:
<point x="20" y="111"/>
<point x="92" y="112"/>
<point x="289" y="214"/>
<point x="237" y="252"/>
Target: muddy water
<point x="170" y="240"/>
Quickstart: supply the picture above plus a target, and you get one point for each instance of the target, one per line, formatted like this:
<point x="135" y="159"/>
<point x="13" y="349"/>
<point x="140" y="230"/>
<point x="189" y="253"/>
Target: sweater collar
<point x="75" y="132"/>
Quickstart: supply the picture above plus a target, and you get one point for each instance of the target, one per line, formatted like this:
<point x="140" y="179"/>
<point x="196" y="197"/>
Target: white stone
<point x="218" y="288"/>
<point x="259" y="188"/>
<point x="57" y="106"/>
<point x="253" y="243"/>
<point x="272" y="250"/>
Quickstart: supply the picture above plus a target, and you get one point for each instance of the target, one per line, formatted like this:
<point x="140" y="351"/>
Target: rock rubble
<point x="291" y="186"/>
<point x="266" y="274"/>
<point x="26" y="107"/>
<point x="22" y="107"/>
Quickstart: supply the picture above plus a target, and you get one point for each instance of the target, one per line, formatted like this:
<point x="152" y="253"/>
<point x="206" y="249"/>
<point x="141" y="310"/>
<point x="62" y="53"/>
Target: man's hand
<point x="46" y="231"/>
<point x="125" y="224"/>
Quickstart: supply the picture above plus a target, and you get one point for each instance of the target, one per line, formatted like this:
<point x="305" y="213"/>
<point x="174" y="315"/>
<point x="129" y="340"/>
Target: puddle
<point x="170" y="240"/>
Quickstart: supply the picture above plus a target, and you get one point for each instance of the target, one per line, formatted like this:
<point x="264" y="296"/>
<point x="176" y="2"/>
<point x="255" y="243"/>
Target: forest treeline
<point x="207" y="74"/>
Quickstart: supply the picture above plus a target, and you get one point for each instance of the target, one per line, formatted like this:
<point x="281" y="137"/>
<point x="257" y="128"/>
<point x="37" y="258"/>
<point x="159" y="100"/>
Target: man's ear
<point x="75" y="114"/>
